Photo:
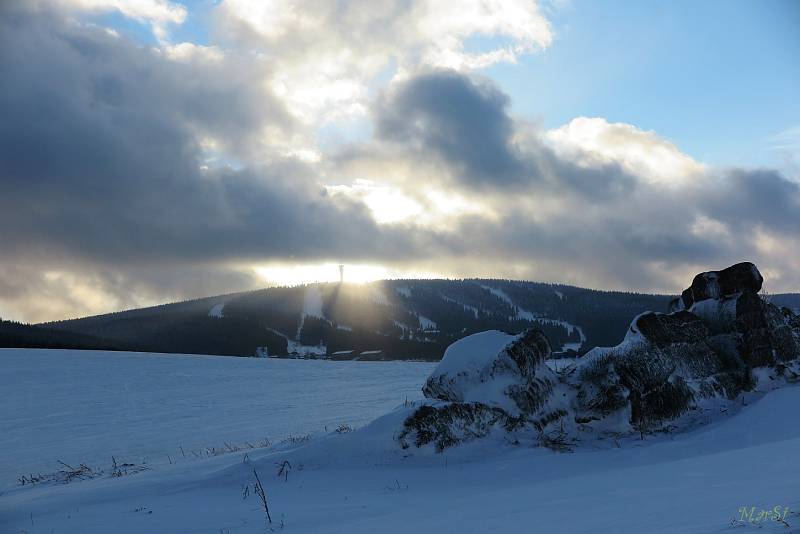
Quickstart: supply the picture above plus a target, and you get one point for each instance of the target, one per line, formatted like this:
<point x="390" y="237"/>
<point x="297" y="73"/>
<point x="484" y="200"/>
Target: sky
<point x="155" y="150"/>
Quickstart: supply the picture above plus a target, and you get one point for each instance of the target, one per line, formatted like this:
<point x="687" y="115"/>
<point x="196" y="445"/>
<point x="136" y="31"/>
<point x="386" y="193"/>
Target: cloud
<point x="188" y="52"/>
<point x="329" y="55"/>
<point x="593" y="142"/>
<point x="132" y="174"/>
<point x="104" y="164"/>
<point x="159" y="14"/>
<point x="76" y="289"/>
<point x="786" y="145"/>
<point x="117" y="139"/>
<point x="755" y="197"/>
<point x="592" y="202"/>
<point x="462" y="121"/>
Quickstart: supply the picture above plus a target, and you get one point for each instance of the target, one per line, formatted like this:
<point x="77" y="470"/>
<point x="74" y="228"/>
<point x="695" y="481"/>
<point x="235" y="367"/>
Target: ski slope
<point x="216" y="310"/>
<point x="361" y="481"/>
<point x="526" y="315"/>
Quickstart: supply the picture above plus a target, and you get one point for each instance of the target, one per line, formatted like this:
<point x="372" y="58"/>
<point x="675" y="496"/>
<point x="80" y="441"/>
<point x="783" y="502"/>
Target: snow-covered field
<point x="58" y="404"/>
<point x="85" y="406"/>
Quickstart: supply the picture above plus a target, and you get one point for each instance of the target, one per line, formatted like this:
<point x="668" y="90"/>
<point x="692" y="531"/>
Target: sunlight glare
<point x="292" y="275"/>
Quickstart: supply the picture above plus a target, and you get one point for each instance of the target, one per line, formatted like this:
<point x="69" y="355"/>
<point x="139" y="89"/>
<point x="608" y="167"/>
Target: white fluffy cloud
<point x="329" y="56"/>
<point x="595" y="141"/>
<point x="188" y="52"/>
<point x="159" y="14"/>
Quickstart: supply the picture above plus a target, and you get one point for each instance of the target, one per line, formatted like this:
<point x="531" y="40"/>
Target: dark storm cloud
<point x="463" y="121"/>
<point x="100" y="157"/>
<point x="760" y="196"/>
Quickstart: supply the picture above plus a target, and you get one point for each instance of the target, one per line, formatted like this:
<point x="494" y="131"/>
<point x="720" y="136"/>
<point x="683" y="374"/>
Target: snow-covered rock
<point x="723" y="340"/>
<point x="705" y="351"/>
<point x="496" y="369"/>
<point x="487" y="380"/>
<point x="742" y="277"/>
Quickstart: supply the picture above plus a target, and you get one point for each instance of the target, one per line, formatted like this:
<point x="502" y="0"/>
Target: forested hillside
<point x="789" y="300"/>
<point x="18" y="335"/>
<point x="184" y="327"/>
<point x="397" y="319"/>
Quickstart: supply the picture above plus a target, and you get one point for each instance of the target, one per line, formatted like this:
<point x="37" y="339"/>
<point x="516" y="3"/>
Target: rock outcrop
<point x="707" y="351"/>
<point x="720" y="330"/>
<point x="497" y="369"/>
<point x="487" y="380"/>
<point x="740" y="278"/>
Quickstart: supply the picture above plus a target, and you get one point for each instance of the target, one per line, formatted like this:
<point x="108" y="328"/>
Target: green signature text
<point x="758" y="515"/>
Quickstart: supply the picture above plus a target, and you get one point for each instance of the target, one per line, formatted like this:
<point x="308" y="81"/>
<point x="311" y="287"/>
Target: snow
<point x="466" y="361"/>
<point x="216" y="310"/>
<point x="473" y="309"/>
<point x="362" y="482"/>
<point x="312" y="306"/>
<point x="425" y="323"/>
<point x="525" y="315"/>
<point x="400" y="325"/>
<point x="312" y="301"/>
<point x="632" y="337"/>
<point x="561" y="364"/>
<point x="299" y="348"/>
<point x="377" y="295"/>
<point x="566" y="324"/>
<point x="295" y="347"/>
<point x="403" y="291"/>
<point x="717" y="312"/>
<point x="84" y="406"/>
<point x="472" y="353"/>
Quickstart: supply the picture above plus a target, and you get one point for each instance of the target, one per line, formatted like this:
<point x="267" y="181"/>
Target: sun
<point x="306" y="273"/>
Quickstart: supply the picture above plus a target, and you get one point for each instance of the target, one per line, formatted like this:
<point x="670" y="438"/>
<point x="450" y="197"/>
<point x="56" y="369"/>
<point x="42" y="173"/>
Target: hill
<point x="18" y="335"/>
<point x="390" y="319"/>
<point x="789" y="300"/>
